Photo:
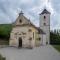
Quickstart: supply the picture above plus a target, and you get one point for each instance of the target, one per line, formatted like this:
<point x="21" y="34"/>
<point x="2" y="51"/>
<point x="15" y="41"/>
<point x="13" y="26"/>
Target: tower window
<point x="20" y="21"/>
<point x="44" y="17"/>
<point x="44" y="23"/>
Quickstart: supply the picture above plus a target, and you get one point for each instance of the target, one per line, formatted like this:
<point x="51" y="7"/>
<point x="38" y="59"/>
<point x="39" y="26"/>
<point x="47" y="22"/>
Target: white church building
<point x="25" y="34"/>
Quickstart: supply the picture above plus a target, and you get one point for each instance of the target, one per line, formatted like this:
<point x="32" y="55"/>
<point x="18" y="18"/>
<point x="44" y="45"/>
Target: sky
<point x="10" y="9"/>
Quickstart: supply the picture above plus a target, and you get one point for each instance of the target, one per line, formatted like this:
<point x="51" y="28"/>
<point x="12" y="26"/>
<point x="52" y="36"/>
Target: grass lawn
<point x="57" y="47"/>
<point x="2" y="58"/>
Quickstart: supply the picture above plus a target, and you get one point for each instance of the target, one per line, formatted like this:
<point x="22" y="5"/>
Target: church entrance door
<point x="20" y="42"/>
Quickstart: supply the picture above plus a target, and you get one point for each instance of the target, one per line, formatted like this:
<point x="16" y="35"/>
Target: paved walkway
<point x="39" y="53"/>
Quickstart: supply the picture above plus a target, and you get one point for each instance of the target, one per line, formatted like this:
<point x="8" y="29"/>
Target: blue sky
<point x="9" y="10"/>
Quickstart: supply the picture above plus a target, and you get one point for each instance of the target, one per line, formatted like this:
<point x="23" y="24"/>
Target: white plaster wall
<point x="45" y="28"/>
<point x="44" y="40"/>
<point x="25" y="38"/>
<point x="41" y="36"/>
<point x="47" y="21"/>
<point x="24" y="20"/>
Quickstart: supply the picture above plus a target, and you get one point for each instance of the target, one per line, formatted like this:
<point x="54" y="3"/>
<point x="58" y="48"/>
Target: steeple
<point x="45" y="12"/>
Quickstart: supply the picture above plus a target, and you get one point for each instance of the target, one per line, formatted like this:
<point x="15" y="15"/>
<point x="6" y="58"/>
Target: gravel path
<point x="38" y="53"/>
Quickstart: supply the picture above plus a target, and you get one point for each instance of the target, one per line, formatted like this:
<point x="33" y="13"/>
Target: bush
<point x="54" y="38"/>
<point x="5" y="30"/>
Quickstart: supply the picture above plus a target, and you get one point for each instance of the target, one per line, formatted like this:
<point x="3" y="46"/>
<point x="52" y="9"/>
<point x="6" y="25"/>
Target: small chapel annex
<point x="25" y="34"/>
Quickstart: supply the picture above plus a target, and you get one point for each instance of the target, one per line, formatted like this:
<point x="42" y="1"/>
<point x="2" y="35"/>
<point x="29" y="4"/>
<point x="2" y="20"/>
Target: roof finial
<point x="29" y="20"/>
<point x="21" y="12"/>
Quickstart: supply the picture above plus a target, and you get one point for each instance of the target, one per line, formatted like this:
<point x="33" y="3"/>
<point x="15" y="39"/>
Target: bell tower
<point x="45" y="26"/>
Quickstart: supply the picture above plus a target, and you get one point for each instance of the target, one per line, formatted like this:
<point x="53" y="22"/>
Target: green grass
<point x="2" y="58"/>
<point x="57" y="47"/>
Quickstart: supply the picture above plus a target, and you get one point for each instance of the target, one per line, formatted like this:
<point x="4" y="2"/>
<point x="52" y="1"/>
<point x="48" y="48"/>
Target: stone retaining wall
<point x="2" y="46"/>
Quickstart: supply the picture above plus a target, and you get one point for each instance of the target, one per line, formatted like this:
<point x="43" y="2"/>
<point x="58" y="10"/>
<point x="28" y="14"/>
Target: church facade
<point x="25" y="34"/>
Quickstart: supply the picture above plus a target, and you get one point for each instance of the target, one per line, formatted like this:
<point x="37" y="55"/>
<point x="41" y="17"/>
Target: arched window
<point x="44" y="17"/>
<point x="20" y="21"/>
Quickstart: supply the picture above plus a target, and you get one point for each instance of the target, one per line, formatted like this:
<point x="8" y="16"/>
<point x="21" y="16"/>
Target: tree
<point x="54" y="37"/>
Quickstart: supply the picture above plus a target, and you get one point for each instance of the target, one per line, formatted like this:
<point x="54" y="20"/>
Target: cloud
<point x="9" y="10"/>
<point x="55" y="18"/>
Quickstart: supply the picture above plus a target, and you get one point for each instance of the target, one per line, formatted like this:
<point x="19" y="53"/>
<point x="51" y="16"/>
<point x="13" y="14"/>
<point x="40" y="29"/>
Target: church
<point x="25" y="34"/>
